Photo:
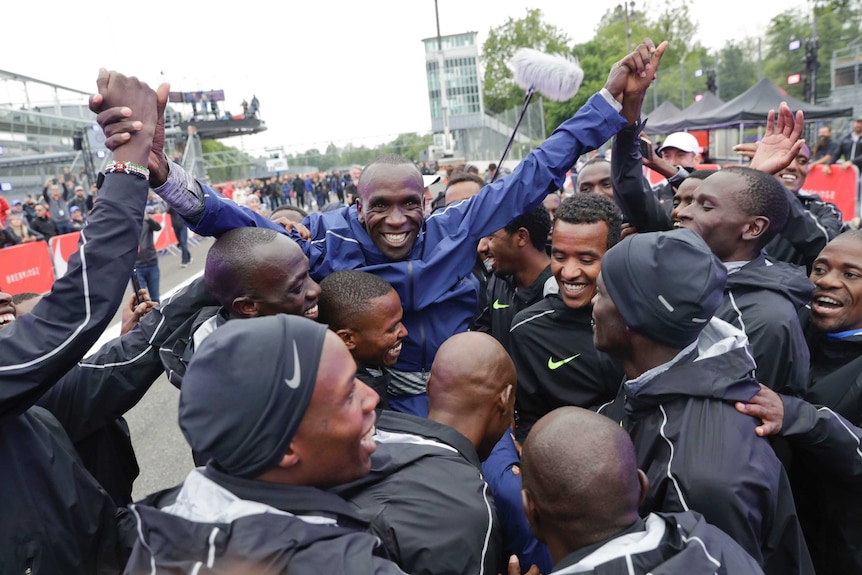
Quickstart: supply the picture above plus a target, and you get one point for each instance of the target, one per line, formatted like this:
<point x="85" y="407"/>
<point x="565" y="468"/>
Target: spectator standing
<point x="147" y="264"/>
<point x="58" y="209"/>
<point x="850" y="147"/>
<point x="42" y="224"/>
<point x="81" y="200"/>
<point x="336" y="185"/>
<point x="309" y="191"/>
<point x="825" y="150"/>
<point x="298" y="186"/>
<point x="182" y="233"/>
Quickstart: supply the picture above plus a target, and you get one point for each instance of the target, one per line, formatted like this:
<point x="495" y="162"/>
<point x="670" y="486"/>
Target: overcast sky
<point x="323" y="70"/>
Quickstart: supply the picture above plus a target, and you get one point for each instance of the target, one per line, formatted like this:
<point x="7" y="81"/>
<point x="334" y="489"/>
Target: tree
<point x="835" y="24"/>
<point x="737" y="68"/>
<point x="500" y="91"/>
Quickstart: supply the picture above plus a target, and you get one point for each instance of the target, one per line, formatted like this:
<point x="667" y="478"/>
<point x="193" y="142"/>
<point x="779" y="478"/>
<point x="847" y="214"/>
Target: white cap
<point x="430" y="180"/>
<point x="681" y="141"/>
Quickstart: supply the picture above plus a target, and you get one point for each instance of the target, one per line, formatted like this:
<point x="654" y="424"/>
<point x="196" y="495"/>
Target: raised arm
<point x="639" y="204"/>
<point x="43" y="345"/>
<point x="107" y="384"/>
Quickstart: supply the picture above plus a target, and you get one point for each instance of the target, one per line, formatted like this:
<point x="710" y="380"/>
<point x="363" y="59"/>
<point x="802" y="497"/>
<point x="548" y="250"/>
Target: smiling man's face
<point x="391" y="207"/>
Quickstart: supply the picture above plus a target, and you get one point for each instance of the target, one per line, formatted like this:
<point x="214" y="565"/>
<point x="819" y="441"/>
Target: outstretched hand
<point x="767" y="406"/>
<point x="123" y="118"/>
<point x="781" y="143"/>
<point x="630" y="77"/>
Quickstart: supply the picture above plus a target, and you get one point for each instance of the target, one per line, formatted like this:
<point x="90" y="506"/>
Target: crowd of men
<point x="656" y="381"/>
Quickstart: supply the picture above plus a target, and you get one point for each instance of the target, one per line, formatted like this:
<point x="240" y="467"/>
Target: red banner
<point x="838" y="187"/>
<point x="26" y="268"/>
<point x="62" y="248"/>
<point x="165" y="237"/>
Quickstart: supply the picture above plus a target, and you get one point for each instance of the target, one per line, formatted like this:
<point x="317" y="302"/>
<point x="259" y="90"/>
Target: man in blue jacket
<point x="427" y="260"/>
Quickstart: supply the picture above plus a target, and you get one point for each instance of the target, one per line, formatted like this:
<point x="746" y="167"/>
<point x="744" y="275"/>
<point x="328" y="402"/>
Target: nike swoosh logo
<point x="555" y="364"/>
<point x="498" y="305"/>
<point x="293" y="381"/>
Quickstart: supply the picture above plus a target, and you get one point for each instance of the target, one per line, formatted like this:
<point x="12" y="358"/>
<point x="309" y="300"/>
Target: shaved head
<point x="254" y="262"/>
<point x="580" y="478"/>
<point x="473" y="381"/>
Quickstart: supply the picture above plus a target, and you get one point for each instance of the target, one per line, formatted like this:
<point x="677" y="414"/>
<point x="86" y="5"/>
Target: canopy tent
<point x="665" y="112"/>
<point x="677" y="122"/>
<point x="752" y="106"/>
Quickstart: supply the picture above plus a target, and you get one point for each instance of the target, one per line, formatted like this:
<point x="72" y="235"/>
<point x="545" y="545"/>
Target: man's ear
<point x="348" y="336"/>
<point x="642" y="478"/>
<point x="756" y="228"/>
<point x="503" y="400"/>
<point x="290" y="458"/>
<point x="532" y="515"/>
<point x="245" y="306"/>
<point x="360" y="215"/>
<point x="523" y="237"/>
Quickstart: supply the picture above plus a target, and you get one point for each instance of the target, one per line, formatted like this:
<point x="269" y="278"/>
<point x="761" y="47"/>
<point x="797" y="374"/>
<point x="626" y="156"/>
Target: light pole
<point x="624" y="8"/>
<point x="444" y="103"/>
<point x="682" y="82"/>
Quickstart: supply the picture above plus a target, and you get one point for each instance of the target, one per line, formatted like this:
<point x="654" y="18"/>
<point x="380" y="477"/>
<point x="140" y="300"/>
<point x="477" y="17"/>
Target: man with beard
<point x="825" y="150"/>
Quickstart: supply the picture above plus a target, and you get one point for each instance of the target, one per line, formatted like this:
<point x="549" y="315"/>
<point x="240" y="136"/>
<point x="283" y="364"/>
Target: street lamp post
<point x="444" y="102"/>
<point x="624" y="8"/>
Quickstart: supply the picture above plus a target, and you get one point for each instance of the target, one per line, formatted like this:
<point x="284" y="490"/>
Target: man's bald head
<point x="580" y="479"/>
<point x="254" y="263"/>
<point x="473" y="381"/>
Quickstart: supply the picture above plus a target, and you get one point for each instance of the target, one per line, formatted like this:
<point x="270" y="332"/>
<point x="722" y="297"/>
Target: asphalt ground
<point x="163" y="454"/>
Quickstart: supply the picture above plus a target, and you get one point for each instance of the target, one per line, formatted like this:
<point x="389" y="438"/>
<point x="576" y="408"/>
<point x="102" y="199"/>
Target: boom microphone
<point x="556" y="77"/>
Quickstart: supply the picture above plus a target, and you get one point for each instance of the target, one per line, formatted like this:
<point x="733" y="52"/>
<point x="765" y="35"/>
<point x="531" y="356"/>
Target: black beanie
<point x="247" y="388"/>
<point x="666" y="285"/>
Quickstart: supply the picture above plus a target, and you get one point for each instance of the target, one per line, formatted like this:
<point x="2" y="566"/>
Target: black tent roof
<point x="677" y="123"/>
<point x="752" y="106"/>
<point x="664" y="112"/>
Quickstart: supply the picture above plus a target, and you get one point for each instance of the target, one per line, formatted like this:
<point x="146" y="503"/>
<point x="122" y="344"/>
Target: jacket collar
<point x="404" y="423"/>
<point x="295" y="499"/>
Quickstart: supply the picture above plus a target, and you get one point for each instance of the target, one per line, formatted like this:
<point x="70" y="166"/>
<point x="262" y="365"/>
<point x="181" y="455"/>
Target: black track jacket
<point x="557" y="363"/>
<point x="700" y="454"/>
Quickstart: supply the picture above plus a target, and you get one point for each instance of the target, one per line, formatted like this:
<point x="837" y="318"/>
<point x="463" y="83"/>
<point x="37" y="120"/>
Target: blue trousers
<point x="148" y="275"/>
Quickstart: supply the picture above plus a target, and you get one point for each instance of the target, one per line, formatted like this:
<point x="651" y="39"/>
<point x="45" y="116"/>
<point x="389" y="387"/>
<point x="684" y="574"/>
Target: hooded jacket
<point x="835" y="375"/>
<point x="557" y="362"/>
<point x="663" y="543"/>
<point x="221" y="524"/>
<point x="827" y="465"/>
<point x="700" y="454"/>
<point x="763" y="299"/>
<point x="54" y="517"/>
<point x="437" y="289"/>
<point x="427" y="500"/>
